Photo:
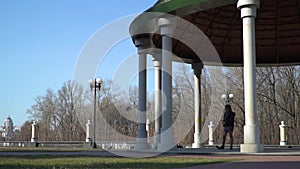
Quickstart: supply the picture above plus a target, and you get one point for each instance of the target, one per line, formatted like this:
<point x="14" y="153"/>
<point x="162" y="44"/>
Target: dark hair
<point x="227" y="108"/>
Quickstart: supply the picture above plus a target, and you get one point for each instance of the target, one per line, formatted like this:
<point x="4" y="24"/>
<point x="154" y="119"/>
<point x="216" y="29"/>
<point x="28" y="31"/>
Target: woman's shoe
<point x="220" y="147"/>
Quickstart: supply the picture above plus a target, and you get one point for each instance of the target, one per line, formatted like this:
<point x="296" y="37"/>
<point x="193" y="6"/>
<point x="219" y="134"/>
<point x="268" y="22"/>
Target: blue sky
<point x="40" y="41"/>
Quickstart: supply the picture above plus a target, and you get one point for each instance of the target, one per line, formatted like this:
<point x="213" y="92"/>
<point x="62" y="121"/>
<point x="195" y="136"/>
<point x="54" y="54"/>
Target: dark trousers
<point x="227" y="130"/>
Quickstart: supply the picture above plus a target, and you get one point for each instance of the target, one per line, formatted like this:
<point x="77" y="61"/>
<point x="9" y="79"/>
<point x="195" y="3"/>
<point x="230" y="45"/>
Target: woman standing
<point x="228" y="124"/>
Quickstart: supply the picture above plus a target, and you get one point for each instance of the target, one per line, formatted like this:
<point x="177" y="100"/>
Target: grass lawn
<point x="93" y="162"/>
<point x="81" y="162"/>
<point x="42" y="149"/>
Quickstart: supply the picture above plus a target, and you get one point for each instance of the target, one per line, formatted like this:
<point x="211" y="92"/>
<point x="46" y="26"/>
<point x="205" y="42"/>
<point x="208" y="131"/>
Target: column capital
<point x="143" y="44"/>
<point x="197" y="68"/>
<point x="156" y="61"/>
<point x="166" y="25"/>
<point x="248" y="7"/>
<point x="34" y="122"/>
<point x="156" y="55"/>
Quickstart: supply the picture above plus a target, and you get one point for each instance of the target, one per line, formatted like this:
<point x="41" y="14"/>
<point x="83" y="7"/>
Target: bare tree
<point x="43" y="111"/>
<point x="57" y="113"/>
<point x="278" y="100"/>
<point x="26" y="131"/>
<point x="71" y="100"/>
<point x="61" y="115"/>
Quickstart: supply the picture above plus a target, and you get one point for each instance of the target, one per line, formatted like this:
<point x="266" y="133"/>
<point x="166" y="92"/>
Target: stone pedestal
<point x="282" y="129"/>
<point x="88" y="132"/>
<point x="211" y="141"/>
<point x="34" y="136"/>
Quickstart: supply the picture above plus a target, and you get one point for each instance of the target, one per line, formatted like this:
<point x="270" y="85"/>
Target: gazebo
<point x="243" y="33"/>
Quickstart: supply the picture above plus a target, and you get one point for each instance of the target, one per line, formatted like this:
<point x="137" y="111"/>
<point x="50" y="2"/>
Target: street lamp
<point x="95" y="84"/>
<point x="228" y="98"/>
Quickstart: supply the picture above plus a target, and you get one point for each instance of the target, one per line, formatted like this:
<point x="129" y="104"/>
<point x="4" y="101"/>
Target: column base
<point x="283" y="143"/>
<point x="154" y="146"/>
<point x="166" y="147"/>
<point x="211" y="143"/>
<point x="156" y="140"/>
<point x="33" y="140"/>
<point x="252" y="148"/>
<point x="141" y="144"/>
<point x="87" y="140"/>
<point x="166" y="141"/>
<point x="197" y="145"/>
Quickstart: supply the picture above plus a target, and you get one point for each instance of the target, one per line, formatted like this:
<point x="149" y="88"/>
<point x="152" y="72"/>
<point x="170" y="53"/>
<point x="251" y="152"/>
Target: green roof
<point x="146" y="23"/>
<point x="166" y="6"/>
<point x="169" y="6"/>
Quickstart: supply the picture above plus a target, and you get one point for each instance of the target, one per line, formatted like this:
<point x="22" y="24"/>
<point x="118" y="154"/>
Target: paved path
<point x="272" y="158"/>
<point x="253" y="162"/>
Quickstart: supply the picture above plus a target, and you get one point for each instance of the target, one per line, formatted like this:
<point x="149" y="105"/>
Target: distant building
<point x="8" y="129"/>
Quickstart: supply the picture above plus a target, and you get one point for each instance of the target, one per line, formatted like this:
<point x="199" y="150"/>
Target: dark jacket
<point x="228" y="119"/>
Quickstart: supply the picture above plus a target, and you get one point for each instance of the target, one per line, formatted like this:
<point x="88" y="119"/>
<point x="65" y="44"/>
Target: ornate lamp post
<point x="95" y="84"/>
<point x="228" y="98"/>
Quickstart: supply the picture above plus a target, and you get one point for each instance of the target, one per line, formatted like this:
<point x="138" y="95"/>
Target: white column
<point x="157" y="101"/>
<point x="251" y="128"/>
<point x="166" y="26"/>
<point x="88" y="131"/>
<point x="34" y="132"/>
<point x="141" y="140"/>
<point x="211" y="140"/>
<point x="197" y="104"/>
<point x="282" y="134"/>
